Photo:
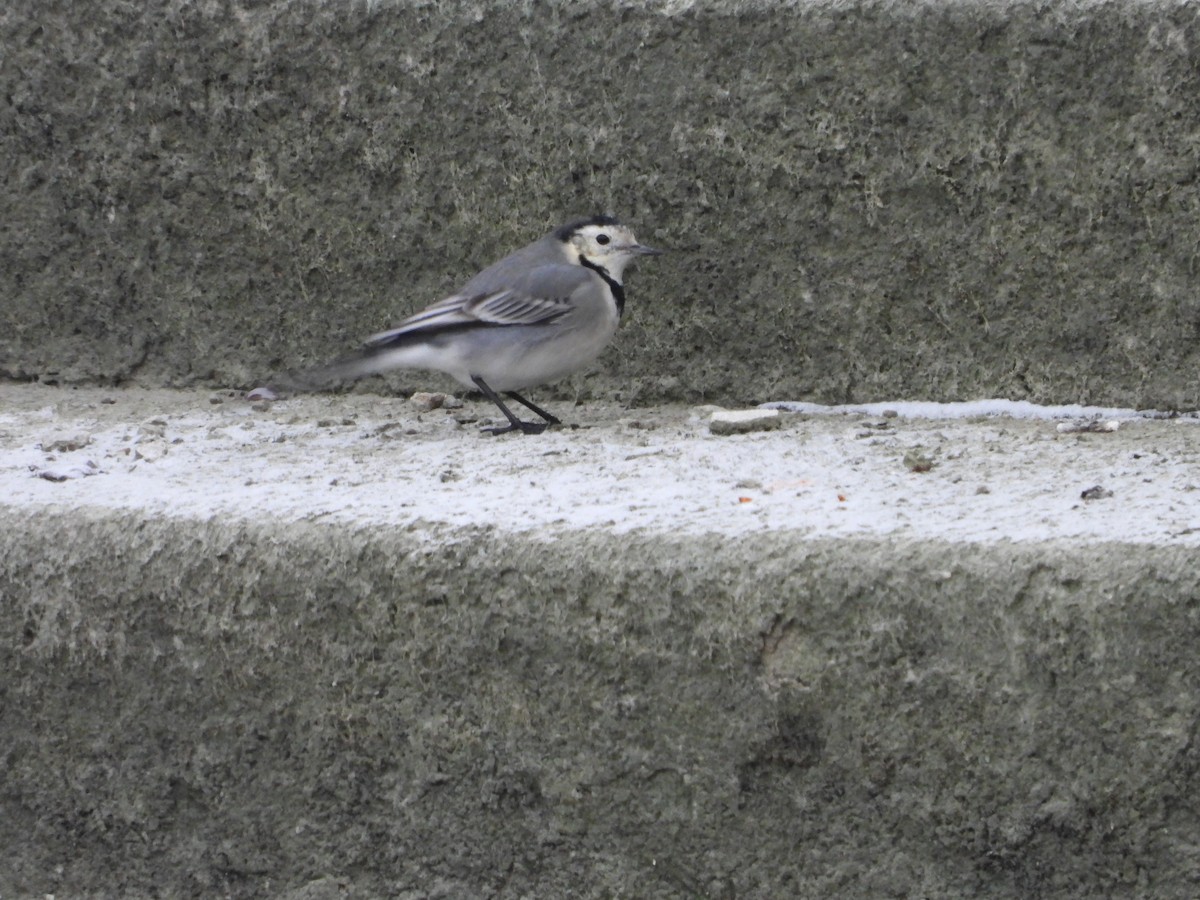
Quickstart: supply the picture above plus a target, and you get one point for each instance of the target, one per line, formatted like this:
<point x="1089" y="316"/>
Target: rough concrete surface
<point x="343" y="647"/>
<point x="864" y="200"/>
<point x="361" y="695"/>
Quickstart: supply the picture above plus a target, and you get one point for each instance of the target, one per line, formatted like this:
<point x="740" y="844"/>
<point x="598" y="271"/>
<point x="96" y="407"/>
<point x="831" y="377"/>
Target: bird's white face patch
<point x="609" y="246"/>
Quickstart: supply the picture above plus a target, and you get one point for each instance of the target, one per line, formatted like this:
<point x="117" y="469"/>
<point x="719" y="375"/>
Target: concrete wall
<point x="864" y="200"/>
<point x="428" y="715"/>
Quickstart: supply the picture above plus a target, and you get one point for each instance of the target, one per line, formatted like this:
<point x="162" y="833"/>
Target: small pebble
<point x="424" y="401"/>
<point x="68" y="472"/>
<point x="743" y="421"/>
<point x="66" y="444"/>
<point x="1092" y="427"/>
<point x="150" y="449"/>
<point x="916" y="461"/>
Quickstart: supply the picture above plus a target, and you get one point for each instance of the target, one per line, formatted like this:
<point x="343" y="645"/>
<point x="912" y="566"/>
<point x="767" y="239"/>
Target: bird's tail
<point x="350" y="367"/>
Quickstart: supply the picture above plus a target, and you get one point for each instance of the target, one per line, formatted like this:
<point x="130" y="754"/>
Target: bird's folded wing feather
<point x="537" y="299"/>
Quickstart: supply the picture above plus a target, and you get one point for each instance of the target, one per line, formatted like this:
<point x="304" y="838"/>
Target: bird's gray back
<point x="505" y="273"/>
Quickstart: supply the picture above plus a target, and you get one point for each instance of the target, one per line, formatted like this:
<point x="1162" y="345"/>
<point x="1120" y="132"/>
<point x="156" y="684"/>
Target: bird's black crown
<point x="565" y="232"/>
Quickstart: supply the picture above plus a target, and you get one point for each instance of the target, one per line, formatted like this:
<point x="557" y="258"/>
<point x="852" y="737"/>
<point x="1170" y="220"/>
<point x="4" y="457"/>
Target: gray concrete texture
<point x="260" y="653"/>
<point x="489" y="715"/>
<point x="896" y="200"/>
<point x="864" y="200"/>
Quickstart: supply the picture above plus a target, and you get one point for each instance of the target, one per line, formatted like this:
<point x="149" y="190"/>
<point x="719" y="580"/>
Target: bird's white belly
<point x="508" y="365"/>
<point x="507" y="358"/>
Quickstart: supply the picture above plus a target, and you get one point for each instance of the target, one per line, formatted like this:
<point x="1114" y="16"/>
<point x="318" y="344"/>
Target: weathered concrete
<point x="270" y="656"/>
<point x="905" y="199"/>
<point x="924" y="200"/>
<point x="201" y="708"/>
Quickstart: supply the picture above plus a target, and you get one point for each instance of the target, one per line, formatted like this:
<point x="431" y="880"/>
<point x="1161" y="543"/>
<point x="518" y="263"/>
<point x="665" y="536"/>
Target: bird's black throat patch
<point x="618" y="290"/>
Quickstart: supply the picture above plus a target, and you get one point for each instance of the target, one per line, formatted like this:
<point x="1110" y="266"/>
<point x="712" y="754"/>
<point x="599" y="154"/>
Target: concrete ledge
<point x="341" y="647"/>
<point x="307" y="704"/>
<point x="864" y="200"/>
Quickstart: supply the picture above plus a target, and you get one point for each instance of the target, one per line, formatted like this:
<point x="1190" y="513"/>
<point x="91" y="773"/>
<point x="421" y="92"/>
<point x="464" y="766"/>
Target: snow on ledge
<point x="967" y="409"/>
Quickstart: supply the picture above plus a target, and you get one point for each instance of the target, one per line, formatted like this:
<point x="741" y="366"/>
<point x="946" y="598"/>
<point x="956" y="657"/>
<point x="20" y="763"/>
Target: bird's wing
<point x="540" y="297"/>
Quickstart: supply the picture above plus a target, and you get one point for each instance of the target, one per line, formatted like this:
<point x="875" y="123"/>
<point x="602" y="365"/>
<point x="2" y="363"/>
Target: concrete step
<point x="337" y="646"/>
<point x="934" y="200"/>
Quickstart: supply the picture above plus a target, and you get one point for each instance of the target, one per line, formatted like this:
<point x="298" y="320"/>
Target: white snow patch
<point x="967" y="409"/>
<point x="376" y="462"/>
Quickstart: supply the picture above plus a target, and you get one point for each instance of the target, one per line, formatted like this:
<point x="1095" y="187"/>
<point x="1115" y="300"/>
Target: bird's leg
<point x="515" y="424"/>
<point x="553" y="420"/>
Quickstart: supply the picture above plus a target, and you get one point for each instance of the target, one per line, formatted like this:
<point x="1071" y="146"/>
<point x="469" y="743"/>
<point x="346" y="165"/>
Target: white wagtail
<point x="535" y="316"/>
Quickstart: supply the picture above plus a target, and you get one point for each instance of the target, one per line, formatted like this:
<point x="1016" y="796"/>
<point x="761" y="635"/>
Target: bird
<point x="534" y="317"/>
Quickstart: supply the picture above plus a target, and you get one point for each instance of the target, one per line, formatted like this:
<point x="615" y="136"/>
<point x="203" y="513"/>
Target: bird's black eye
<point x="602" y="239"/>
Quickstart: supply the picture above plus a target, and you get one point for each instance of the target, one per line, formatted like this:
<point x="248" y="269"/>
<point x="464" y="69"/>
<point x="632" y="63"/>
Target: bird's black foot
<point x="552" y="419"/>
<point x="514" y="424"/>
<point x="518" y="425"/>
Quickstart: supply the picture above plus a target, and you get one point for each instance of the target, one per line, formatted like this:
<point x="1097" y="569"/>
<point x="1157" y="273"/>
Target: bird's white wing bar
<point x="454" y="310"/>
<point x="507" y="307"/>
<point x="513" y="308"/>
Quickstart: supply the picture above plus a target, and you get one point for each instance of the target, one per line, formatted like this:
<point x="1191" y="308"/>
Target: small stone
<point x="424" y="401"/>
<point x="66" y="473"/>
<point x="743" y="421"/>
<point x="66" y="444"/>
<point x="153" y="428"/>
<point x="917" y="461"/>
<point x="1092" y="426"/>
<point x="150" y="449"/>
<point x="1096" y="492"/>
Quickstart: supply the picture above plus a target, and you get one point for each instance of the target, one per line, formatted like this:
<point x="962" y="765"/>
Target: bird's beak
<point x="643" y="250"/>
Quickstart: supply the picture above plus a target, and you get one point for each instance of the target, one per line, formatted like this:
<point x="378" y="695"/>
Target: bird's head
<point x="602" y="242"/>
